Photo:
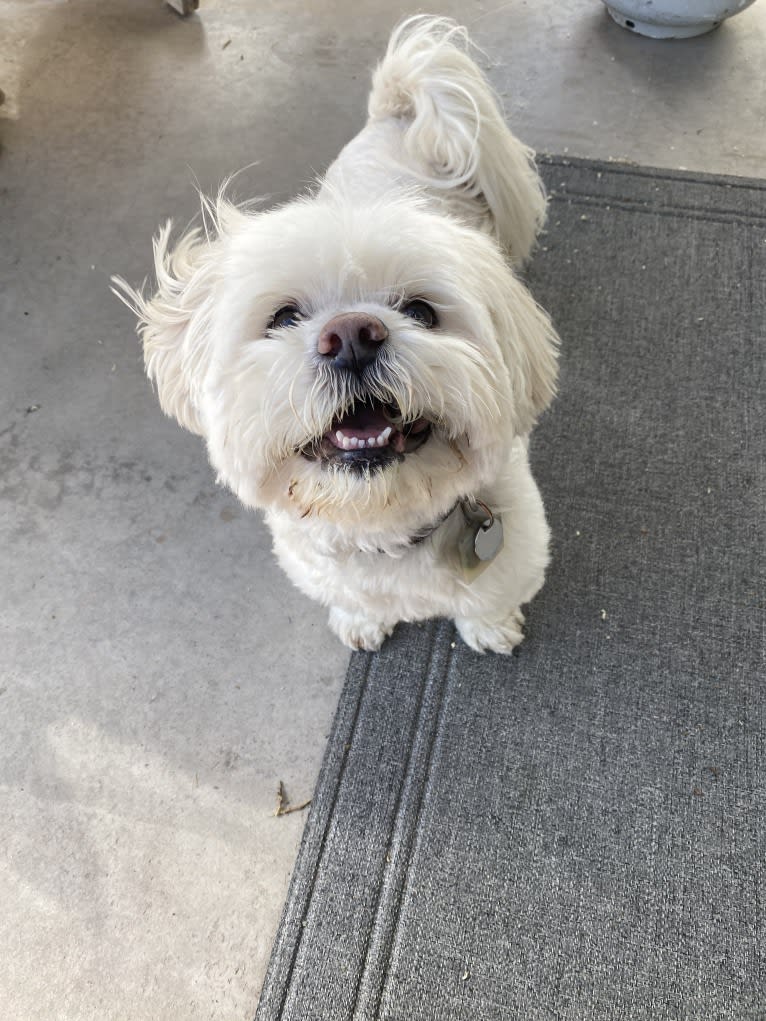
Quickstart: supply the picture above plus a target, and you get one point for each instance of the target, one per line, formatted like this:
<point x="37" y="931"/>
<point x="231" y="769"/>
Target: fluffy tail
<point x="457" y="137"/>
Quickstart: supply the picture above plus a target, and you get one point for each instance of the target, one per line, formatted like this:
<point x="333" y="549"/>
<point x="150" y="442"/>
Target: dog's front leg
<point x="358" y="631"/>
<point x="486" y="634"/>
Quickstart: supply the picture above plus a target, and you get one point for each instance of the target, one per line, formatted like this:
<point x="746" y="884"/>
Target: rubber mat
<point x="577" y="831"/>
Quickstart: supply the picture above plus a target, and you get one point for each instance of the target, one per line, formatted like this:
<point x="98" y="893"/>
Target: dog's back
<point x="434" y="124"/>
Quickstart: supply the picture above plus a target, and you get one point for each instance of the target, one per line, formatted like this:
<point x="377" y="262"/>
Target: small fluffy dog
<point x="364" y="364"/>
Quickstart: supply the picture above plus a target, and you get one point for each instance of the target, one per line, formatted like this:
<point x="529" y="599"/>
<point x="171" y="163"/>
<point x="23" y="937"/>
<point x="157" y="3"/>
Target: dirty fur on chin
<point x="362" y="360"/>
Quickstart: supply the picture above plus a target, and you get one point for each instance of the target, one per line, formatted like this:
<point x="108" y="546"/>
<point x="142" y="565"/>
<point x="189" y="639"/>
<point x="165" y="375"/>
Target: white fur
<point x="428" y="201"/>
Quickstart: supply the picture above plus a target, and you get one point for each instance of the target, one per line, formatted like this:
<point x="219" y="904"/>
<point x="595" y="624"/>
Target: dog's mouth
<point x="370" y="435"/>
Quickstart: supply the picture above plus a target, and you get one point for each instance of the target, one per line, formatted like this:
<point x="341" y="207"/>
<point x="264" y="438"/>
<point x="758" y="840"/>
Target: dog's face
<point x="354" y="365"/>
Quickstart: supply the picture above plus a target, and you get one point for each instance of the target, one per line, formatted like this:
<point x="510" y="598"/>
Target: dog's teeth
<point x="356" y="443"/>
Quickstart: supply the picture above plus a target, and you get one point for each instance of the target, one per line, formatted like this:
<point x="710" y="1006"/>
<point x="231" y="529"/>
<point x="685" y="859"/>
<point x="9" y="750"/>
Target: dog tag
<point x="489" y="539"/>
<point x="480" y="539"/>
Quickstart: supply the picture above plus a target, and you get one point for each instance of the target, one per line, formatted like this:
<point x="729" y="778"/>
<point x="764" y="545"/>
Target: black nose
<point x="351" y="340"/>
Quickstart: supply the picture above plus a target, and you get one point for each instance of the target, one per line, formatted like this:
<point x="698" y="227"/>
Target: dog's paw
<point x="356" y="631"/>
<point x="490" y="635"/>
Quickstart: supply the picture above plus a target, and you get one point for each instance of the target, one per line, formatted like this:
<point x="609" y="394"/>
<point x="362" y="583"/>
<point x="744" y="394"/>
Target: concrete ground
<point x="159" y="675"/>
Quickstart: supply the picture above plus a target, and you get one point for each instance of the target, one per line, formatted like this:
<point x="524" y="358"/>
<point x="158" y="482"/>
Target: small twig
<point x="295" y="808"/>
<point x="280" y="798"/>
<point x="283" y="806"/>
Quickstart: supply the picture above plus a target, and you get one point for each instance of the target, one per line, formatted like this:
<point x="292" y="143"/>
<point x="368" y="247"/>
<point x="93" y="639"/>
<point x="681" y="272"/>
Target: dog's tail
<point x="456" y="136"/>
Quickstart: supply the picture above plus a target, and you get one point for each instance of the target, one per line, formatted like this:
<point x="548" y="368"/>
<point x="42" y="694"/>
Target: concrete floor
<point x="159" y="675"/>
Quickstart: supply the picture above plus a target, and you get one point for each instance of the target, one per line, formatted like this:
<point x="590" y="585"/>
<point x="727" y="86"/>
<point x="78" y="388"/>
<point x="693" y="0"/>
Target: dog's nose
<point x="351" y="340"/>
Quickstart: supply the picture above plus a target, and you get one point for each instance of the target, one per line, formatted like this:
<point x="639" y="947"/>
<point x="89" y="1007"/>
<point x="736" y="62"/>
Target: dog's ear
<point x="533" y="344"/>
<point x="174" y="324"/>
<point x="529" y="344"/>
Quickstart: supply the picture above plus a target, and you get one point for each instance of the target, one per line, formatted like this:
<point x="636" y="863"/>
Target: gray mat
<point x="578" y="831"/>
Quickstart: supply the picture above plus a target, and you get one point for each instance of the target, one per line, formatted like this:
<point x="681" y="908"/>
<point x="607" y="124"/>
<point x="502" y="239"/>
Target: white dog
<point x="364" y="364"/>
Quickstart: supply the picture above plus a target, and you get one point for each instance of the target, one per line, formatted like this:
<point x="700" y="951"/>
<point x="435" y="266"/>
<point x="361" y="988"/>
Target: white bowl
<point x="673" y="19"/>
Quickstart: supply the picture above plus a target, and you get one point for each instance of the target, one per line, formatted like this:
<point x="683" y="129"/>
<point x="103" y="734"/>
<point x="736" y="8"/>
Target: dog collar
<point x="425" y="533"/>
<point x="472" y="542"/>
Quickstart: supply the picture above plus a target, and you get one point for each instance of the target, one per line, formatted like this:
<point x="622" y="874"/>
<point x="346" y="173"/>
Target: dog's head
<point x="355" y="364"/>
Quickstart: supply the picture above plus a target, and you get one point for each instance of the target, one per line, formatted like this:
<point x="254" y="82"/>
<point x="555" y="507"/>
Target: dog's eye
<point x="288" y="315"/>
<point x="421" y="312"/>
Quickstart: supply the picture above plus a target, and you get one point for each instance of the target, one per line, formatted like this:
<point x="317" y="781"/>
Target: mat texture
<point x="579" y="831"/>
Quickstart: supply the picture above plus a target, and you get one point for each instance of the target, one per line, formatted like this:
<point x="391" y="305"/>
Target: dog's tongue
<point x="365" y="422"/>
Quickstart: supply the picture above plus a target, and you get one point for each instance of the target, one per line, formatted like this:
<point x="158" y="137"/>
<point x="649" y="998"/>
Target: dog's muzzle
<point x="370" y="434"/>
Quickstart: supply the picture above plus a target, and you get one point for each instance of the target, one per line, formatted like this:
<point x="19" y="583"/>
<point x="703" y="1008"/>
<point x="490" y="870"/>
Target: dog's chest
<point x="415" y="585"/>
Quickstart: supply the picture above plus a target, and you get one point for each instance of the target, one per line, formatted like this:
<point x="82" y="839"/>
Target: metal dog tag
<point x="480" y="539"/>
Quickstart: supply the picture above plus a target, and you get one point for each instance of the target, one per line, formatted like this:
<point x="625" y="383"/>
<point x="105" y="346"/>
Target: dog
<point x="364" y="363"/>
